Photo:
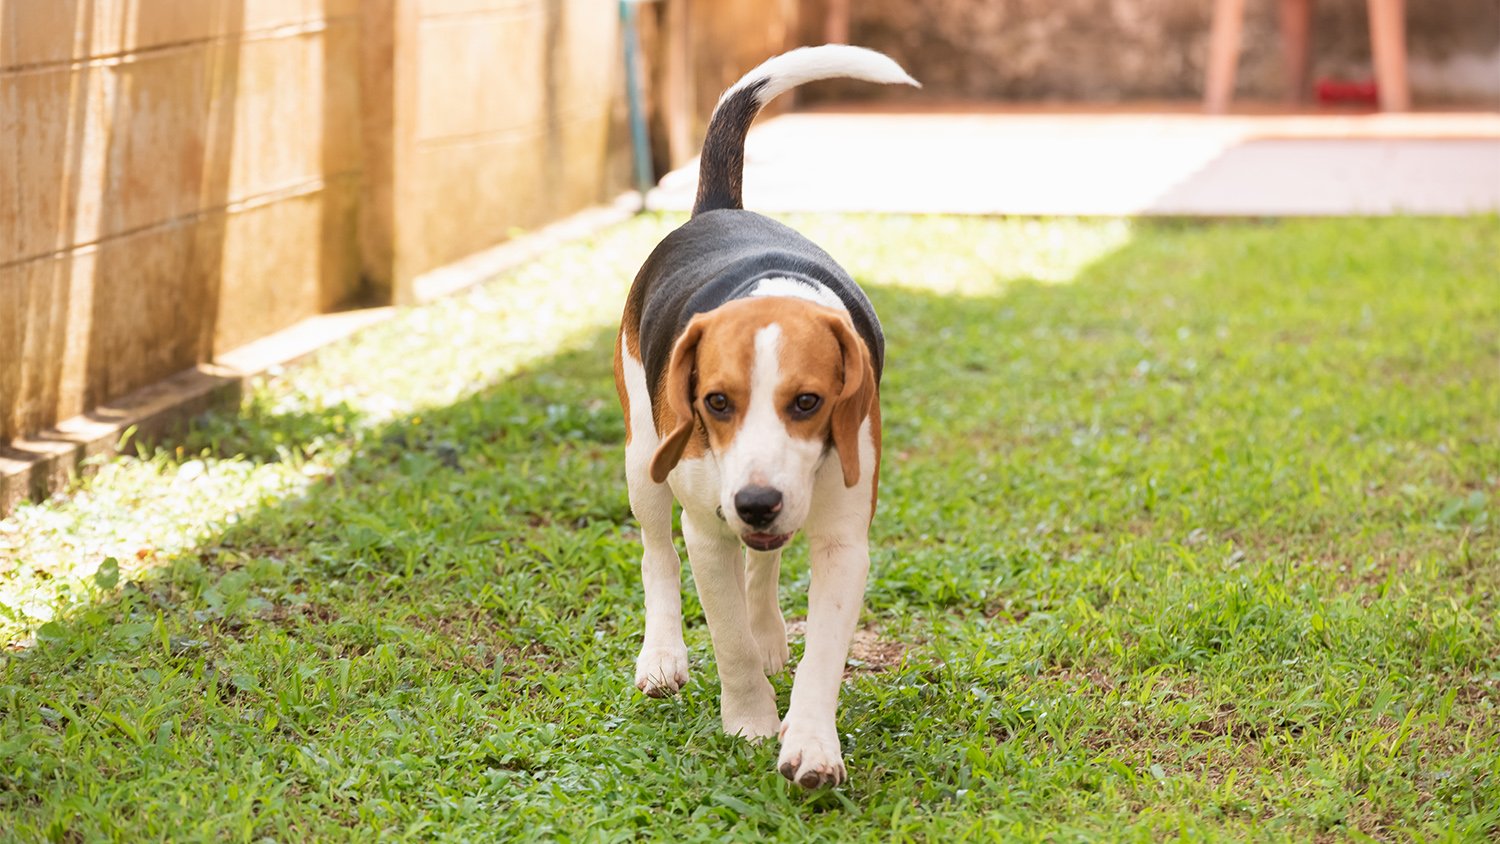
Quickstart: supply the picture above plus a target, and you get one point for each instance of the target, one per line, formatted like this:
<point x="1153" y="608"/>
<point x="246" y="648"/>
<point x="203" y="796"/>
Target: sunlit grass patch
<point x="964" y="256"/>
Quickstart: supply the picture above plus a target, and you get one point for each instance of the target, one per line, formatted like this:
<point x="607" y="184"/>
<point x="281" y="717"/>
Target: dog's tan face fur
<point x="773" y="382"/>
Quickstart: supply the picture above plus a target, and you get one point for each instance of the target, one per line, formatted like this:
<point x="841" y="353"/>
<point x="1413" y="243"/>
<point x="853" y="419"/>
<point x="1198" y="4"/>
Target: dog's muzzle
<point x="766" y="541"/>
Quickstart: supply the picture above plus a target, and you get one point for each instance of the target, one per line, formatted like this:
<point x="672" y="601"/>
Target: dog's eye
<point x="806" y="403"/>
<point x="716" y="402"/>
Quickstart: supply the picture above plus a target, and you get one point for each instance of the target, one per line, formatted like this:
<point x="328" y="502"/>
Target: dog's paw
<point x="751" y="716"/>
<point x="753" y="728"/>
<point x="771" y="639"/>
<point x="810" y="757"/>
<point x="660" y="672"/>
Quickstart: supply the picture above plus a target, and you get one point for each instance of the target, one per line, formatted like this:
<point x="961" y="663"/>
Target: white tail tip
<point x="830" y="61"/>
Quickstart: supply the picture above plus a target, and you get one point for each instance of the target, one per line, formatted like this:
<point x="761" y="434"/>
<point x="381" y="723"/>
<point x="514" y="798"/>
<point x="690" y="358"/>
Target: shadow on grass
<point x="442" y="631"/>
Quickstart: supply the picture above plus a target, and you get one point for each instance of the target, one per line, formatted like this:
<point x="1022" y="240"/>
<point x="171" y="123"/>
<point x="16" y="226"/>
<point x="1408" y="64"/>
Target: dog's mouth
<point x="766" y="541"/>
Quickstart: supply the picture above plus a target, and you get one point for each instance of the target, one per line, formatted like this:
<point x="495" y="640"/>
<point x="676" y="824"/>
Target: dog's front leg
<point x="838" y="529"/>
<point x="747" y="701"/>
<point x="766" y="621"/>
<point x="810" y="754"/>
<point x="662" y="667"/>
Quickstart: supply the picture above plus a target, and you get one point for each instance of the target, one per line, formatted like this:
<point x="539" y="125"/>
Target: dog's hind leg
<point x="662" y="667"/>
<point x="763" y="570"/>
<point x="746" y="700"/>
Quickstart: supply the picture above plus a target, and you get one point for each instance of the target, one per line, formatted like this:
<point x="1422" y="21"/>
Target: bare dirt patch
<point x="869" y="652"/>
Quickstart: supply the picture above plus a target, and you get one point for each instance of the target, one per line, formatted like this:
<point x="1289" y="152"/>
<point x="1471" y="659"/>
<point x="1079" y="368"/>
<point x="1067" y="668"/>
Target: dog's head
<point x="774" y="381"/>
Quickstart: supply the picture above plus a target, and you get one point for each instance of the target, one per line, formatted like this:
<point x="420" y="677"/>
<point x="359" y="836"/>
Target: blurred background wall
<point x="500" y="119"/>
<point x="1122" y="50"/>
<point x="175" y="178"/>
<point x="180" y="177"/>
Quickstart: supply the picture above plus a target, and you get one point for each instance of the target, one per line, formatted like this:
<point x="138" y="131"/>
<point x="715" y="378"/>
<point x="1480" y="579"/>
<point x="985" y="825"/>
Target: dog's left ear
<point x="855" y="399"/>
<point x="678" y="392"/>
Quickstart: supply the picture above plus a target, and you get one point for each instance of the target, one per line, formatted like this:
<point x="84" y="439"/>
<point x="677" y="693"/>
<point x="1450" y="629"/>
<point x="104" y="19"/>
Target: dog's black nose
<point x="757" y="505"/>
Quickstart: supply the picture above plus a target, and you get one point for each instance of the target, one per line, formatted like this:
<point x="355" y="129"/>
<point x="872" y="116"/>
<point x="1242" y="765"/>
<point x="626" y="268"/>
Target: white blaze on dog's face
<point x="773" y="381"/>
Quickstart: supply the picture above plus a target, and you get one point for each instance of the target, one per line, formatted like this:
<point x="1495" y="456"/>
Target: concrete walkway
<point x="1169" y="161"/>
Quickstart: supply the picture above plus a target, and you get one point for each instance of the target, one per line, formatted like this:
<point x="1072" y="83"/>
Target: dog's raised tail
<point x="721" y="166"/>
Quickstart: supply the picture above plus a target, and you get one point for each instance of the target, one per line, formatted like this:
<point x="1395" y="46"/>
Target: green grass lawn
<point x="1185" y="530"/>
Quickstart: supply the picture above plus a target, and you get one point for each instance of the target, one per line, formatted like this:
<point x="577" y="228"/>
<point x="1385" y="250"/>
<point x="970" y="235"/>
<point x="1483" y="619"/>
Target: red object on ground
<point x="1340" y="92"/>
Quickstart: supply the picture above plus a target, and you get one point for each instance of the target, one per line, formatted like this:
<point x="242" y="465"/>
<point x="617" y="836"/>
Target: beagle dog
<point x="748" y="367"/>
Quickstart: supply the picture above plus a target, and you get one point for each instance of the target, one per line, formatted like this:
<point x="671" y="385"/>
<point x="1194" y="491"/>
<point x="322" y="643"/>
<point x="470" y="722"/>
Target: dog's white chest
<point x="695" y="482"/>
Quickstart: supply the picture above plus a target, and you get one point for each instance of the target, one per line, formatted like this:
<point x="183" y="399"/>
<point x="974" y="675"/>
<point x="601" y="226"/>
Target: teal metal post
<point x="640" y="140"/>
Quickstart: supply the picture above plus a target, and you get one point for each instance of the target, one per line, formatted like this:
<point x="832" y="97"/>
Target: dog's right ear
<point x="678" y="392"/>
<point x="855" y="398"/>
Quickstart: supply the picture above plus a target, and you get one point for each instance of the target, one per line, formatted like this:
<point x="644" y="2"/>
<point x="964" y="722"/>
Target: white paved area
<point x="980" y="160"/>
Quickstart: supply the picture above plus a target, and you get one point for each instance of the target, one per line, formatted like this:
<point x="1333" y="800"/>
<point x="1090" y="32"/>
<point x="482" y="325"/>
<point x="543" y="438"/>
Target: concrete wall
<point x="180" y="177"/>
<point x="1112" y="50"/>
<point x="176" y="177"/>
<point x="697" y="48"/>
<point x="505" y="118"/>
